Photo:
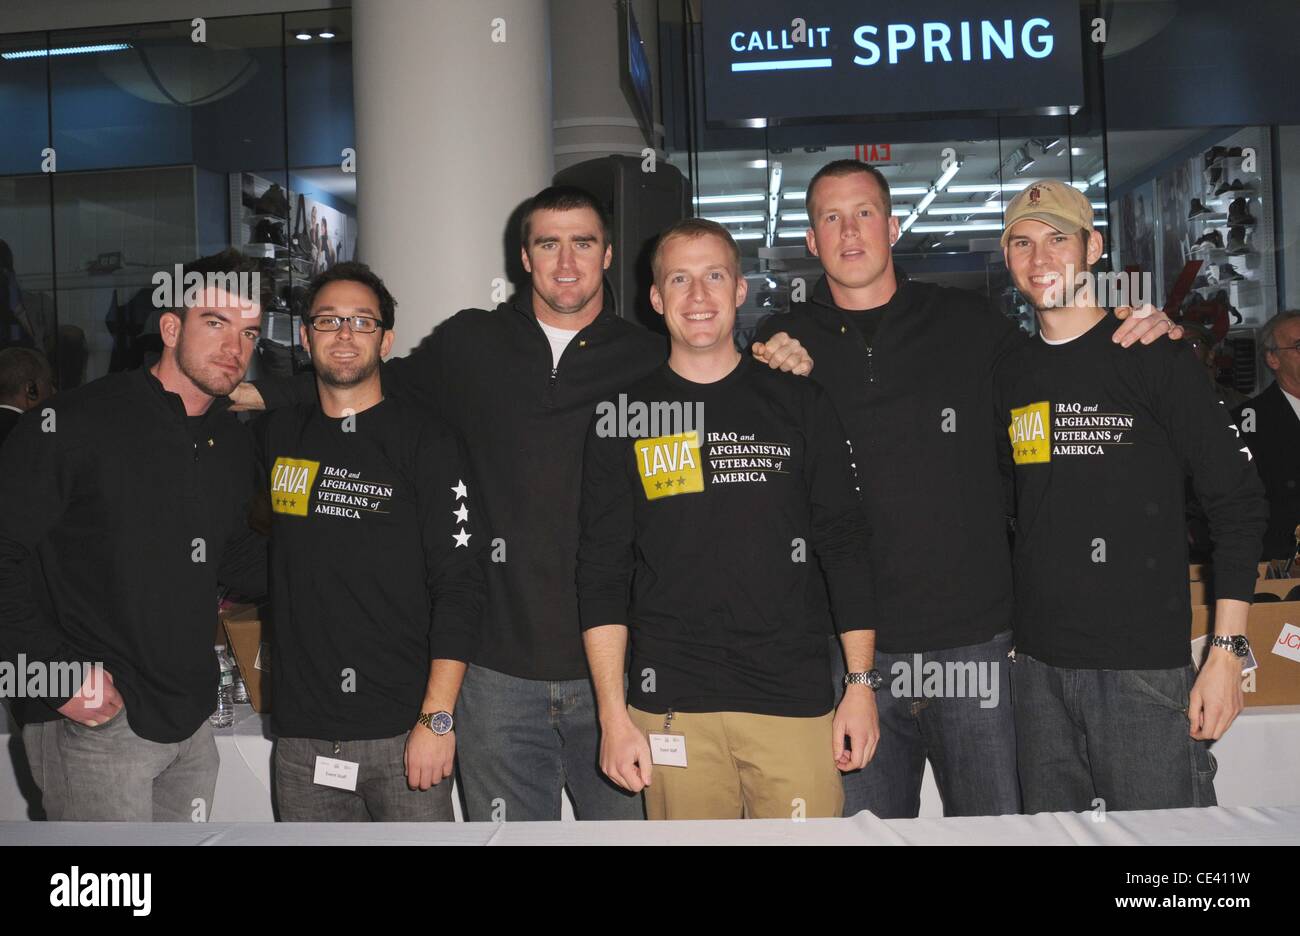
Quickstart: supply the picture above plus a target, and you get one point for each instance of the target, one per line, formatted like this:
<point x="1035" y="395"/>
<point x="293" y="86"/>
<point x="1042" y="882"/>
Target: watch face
<point x="1240" y="645"/>
<point x="875" y="680"/>
<point x="440" y="723"/>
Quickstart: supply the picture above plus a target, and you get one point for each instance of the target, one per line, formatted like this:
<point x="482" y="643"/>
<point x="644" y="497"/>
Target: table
<point x="1259" y="765"/>
<point x="1219" y="825"/>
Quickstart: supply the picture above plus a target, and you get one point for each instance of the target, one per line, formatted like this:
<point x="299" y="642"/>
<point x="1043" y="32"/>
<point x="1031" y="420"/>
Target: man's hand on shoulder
<point x="245" y="398"/>
<point x="1145" y="324"/>
<point x="781" y="352"/>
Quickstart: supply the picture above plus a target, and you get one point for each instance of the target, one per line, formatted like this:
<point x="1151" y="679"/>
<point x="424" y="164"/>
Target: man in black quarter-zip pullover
<point x="132" y="494"/>
<point x="520" y="383"/>
<point x="909" y="366"/>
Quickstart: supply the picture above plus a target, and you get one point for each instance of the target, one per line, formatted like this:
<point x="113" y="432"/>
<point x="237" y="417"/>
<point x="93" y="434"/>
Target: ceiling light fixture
<point x="66" y="50"/>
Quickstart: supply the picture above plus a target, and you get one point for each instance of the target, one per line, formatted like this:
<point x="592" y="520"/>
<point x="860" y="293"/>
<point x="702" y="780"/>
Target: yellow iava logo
<point x="670" y="465"/>
<point x="1031" y="433"/>
<point x="291" y="484"/>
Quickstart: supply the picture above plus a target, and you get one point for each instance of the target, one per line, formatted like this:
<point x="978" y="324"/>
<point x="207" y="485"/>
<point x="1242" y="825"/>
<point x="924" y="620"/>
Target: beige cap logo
<point x="1056" y="204"/>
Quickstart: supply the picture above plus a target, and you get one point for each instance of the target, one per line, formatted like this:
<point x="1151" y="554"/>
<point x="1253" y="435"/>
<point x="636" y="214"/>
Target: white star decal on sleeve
<point x="459" y="490"/>
<point x="462" y="514"/>
<point x="461" y="538"/>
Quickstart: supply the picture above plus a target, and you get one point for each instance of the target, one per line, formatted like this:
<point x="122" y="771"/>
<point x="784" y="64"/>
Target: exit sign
<point x="872" y="152"/>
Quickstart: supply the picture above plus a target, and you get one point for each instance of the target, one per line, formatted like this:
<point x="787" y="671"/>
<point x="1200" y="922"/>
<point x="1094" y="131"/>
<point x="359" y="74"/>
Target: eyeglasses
<point x="361" y="324"/>
<point x="1294" y="347"/>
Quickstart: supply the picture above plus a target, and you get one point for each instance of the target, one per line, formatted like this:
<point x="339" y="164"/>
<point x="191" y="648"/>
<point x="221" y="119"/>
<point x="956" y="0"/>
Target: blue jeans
<point x="522" y="741"/>
<point x="1119" y="736"/>
<point x="961" y="720"/>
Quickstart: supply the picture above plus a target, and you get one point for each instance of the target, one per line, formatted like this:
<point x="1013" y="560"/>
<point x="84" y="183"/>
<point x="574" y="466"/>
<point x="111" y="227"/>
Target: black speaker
<point x="640" y="205"/>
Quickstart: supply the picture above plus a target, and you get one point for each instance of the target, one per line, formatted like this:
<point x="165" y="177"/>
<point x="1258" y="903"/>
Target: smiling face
<point x="697" y="289"/>
<point x="1044" y="263"/>
<point x="851" y="230"/>
<point x="213" y="340"/>
<point x="346" y="358"/>
<point x="567" y="256"/>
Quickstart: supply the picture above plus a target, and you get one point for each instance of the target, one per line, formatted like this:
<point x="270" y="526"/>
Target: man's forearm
<point x="445" y="677"/>
<point x="1230" y="616"/>
<point x="606" y="648"/>
<point x="859" y="650"/>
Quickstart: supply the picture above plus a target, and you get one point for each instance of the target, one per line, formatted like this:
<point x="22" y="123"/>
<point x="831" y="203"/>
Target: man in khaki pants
<point x="712" y="489"/>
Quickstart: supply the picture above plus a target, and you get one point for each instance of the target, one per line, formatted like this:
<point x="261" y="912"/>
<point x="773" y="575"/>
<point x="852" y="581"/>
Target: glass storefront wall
<point x="1181" y="170"/>
<point x="136" y="148"/>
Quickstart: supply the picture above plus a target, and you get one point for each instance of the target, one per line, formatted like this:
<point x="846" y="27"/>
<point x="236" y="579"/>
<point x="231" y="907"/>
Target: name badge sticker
<point x="668" y="750"/>
<point x="340" y="774"/>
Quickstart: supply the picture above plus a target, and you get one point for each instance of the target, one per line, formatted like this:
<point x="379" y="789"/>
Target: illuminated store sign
<point x="776" y="59"/>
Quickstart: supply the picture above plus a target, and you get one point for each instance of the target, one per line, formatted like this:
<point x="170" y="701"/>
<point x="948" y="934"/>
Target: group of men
<point x="758" y="612"/>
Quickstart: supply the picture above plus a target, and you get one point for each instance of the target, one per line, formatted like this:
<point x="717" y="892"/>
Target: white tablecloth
<point x="1215" y="826"/>
<point x="1259" y="765"/>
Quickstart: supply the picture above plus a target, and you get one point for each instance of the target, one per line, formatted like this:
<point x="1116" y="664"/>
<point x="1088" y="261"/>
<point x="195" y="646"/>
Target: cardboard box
<point x="250" y="643"/>
<point x="1200" y="572"/>
<point x="1273" y="629"/>
<point x="1203" y="589"/>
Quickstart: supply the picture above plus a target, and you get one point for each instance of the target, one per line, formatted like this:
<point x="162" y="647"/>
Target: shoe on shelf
<point x="1239" y="212"/>
<point x="1237" y="245"/>
<point x="1228" y="274"/>
<point x="1210" y="239"/>
<point x="272" y="202"/>
<point x="1197" y="210"/>
<point x="267" y="231"/>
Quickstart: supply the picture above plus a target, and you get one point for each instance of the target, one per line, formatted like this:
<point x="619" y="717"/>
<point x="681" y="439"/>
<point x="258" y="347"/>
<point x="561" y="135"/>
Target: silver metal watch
<point x="1236" y="644"/>
<point x="871" y="679"/>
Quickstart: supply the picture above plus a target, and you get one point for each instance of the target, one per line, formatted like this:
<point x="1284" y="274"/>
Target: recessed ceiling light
<point x="303" y="36"/>
<point x="327" y="35"/>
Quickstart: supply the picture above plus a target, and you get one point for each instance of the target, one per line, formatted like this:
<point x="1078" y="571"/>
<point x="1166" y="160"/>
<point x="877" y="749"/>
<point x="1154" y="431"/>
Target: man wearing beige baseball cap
<point x="1109" y="707"/>
<point x="909" y="366"/>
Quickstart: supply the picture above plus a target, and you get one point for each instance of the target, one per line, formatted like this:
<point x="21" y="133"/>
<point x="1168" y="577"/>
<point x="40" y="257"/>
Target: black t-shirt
<point x="867" y="323"/>
<point x="377" y="530"/>
<point x="716" y="532"/>
<point x="1102" y="438"/>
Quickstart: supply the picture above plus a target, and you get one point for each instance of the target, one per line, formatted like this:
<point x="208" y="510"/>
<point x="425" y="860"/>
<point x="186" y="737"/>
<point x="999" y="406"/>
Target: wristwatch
<point x="872" y="679"/>
<point x="1236" y="644"/>
<point x="438" y="722"/>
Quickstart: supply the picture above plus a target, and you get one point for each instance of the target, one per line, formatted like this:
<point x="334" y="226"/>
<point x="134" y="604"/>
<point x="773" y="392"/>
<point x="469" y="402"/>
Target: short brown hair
<point x="562" y="198"/>
<point x="696" y="227"/>
<point x="839" y="168"/>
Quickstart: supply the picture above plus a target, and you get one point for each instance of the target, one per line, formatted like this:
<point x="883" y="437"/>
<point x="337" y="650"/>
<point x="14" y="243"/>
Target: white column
<point x="453" y="132"/>
<point x="593" y="116"/>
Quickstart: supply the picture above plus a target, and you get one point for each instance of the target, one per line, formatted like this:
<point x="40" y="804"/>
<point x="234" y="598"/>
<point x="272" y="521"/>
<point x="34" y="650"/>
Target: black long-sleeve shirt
<point x="376" y="539"/>
<point x="1102" y="438"/>
<point x="489" y="375"/>
<point x="135" y="512"/>
<point x="914" y="400"/>
<point x="717" y="537"/>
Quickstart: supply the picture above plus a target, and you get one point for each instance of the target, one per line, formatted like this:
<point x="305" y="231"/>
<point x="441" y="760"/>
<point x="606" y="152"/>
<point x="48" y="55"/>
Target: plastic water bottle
<point x="224" y="716"/>
<point x="239" y="691"/>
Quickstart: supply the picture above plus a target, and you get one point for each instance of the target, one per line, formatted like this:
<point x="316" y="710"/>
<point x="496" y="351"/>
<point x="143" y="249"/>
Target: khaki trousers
<point x="741" y="765"/>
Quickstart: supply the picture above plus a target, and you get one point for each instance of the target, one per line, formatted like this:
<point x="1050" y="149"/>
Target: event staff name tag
<point x="668" y="750"/>
<point x="340" y="774"/>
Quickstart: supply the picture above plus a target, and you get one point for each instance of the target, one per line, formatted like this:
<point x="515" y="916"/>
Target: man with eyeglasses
<point x="1270" y="424"/>
<point x="376" y="534"/>
<point x="131" y="496"/>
